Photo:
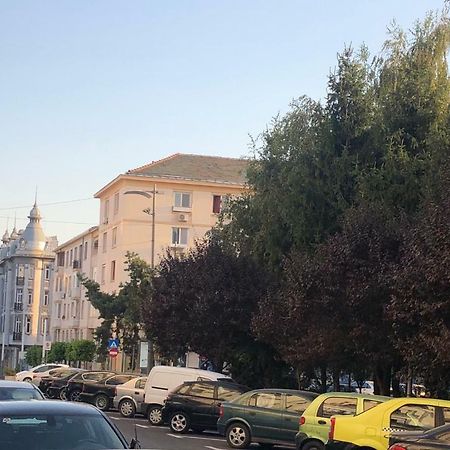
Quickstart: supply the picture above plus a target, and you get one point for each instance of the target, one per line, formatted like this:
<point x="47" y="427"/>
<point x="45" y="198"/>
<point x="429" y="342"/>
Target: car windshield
<point x="7" y="393"/>
<point x="57" y="432"/>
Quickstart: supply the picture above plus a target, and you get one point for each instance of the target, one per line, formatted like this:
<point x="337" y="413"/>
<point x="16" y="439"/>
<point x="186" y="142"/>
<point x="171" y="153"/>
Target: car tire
<point x="101" y="402"/>
<point x="74" y="396"/>
<point x="154" y="415"/>
<point x="27" y="379"/>
<point x="179" y="422"/>
<point x="238" y="435"/>
<point x="63" y="394"/>
<point x="313" y="445"/>
<point x="127" y="408"/>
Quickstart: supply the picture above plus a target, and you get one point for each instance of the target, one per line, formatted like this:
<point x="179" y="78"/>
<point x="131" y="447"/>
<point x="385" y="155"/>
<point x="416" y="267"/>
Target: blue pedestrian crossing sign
<point x="113" y="343"/>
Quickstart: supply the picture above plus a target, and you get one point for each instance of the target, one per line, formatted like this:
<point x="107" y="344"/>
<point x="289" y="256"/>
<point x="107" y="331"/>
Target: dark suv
<point x="196" y="404"/>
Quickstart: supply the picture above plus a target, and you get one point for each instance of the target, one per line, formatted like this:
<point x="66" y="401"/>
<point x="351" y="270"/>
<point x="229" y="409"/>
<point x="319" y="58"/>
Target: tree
<point x="81" y="350"/>
<point x="57" y="353"/>
<point x="33" y="355"/>
<point x="203" y="302"/>
<point x="121" y="311"/>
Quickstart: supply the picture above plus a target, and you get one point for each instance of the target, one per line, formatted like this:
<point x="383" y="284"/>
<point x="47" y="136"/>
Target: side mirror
<point x="135" y="443"/>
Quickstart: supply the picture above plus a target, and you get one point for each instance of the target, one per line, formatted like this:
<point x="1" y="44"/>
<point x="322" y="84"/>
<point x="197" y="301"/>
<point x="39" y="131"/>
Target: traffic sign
<point x="113" y="352"/>
<point x="113" y="343"/>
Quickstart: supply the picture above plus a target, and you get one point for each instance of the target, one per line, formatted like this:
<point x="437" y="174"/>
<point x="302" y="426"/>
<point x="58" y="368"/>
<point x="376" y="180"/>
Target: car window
<point x="203" y="379"/>
<point x="202" y="390"/>
<point x="227" y="394"/>
<point x="369" y="404"/>
<point x="19" y="394"/>
<point x="338" y="406"/>
<point x="267" y="400"/>
<point x="140" y="384"/>
<point x="295" y="403"/>
<point x="183" y="389"/>
<point x="95" y="376"/>
<point x="413" y="417"/>
<point x="41" y="369"/>
<point x="446" y="412"/>
<point x="119" y="379"/>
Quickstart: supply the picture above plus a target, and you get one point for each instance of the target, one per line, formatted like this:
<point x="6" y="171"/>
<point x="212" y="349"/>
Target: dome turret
<point x="33" y="234"/>
<point x="5" y="238"/>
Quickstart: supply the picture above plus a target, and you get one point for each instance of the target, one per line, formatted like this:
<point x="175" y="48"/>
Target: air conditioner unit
<point x="182" y="217"/>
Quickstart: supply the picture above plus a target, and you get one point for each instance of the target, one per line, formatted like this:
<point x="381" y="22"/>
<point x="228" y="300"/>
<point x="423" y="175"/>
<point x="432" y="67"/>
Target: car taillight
<point x="397" y="447"/>
<point x="220" y="411"/>
<point x="332" y="426"/>
<point x="302" y="420"/>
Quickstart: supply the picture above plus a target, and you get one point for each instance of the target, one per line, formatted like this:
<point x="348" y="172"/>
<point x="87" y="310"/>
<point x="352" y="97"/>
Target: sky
<point x="92" y="88"/>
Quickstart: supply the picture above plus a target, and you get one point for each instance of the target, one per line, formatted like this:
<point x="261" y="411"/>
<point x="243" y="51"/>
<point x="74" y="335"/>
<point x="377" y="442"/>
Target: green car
<point x="315" y="421"/>
<point x="265" y="416"/>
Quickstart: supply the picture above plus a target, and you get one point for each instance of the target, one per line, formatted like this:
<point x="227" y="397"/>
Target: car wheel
<point x="238" y="435"/>
<point x="74" y="396"/>
<point x="27" y="379"/>
<point x="179" y="422"/>
<point x="155" y="415"/>
<point x="127" y="408"/>
<point x="102" y="402"/>
<point x="313" y="445"/>
<point x="63" y="394"/>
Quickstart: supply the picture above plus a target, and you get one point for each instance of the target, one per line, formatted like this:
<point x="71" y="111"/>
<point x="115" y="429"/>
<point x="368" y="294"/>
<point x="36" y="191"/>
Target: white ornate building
<point x="26" y="269"/>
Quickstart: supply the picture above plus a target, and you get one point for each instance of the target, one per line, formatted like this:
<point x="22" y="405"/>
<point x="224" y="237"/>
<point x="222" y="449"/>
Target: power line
<point x="49" y="204"/>
<point x="51" y="221"/>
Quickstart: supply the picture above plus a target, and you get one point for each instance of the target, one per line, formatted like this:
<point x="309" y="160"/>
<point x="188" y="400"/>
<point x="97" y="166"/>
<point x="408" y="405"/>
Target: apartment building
<point x="26" y="273"/>
<point x="73" y="316"/>
<point x="187" y="193"/>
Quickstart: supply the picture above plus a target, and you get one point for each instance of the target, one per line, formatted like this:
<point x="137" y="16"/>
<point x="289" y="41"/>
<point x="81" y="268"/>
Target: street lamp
<point x="149" y="194"/>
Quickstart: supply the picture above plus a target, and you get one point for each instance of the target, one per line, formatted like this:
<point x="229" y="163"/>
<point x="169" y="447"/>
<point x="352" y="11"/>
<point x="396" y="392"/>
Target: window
<point x="19" y="295"/>
<point x="64" y="311"/>
<point x="71" y="257"/>
<point x="182" y="200"/>
<point x="113" y="270"/>
<point x="46" y="298"/>
<point x="116" y="203"/>
<point x="338" y="406"/>
<point x="18" y="325"/>
<point x="179" y="236"/>
<point x="44" y="326"/>
<point x="446" y="415"/>
<point x="217" y="204"/>
<point x="21" y="271"/>
<point x="414" y="418"/>
<point x="30" y="296"/>
<point x="61" y="259"/>
<point x="296" y="404"/>
<point x="202" y="390"/>
<point x="266" y="400"/>
<point x="114" y="237"/>
<point x="105" y="241"/>
<point x="75" y="253"/>
<point x="27" y="324"/>
<point x="369" y="404"/>
<point x="105" y="211"/>
<point x="140" y="384"/>
<point x="183" y="389"/>
<point x="119" y="379"/>
<point x="103" y="273"/>
<point x="31" y="272"/>
<point x="47" y="272"/>
<point x="59" y="310"/>
<point x="227" y="394"/>
<point x="67" y="258"/>
<point x="85" y="250"/>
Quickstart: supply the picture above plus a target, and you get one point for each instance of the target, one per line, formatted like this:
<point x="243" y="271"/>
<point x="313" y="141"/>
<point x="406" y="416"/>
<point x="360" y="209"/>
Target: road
<point x="161" y="438"/>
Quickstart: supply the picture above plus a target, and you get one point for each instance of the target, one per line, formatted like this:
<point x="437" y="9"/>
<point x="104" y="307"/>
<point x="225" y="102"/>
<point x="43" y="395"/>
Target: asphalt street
<point x="161" y="438"/>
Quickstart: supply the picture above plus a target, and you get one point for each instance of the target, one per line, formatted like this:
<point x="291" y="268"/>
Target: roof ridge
<point x="153" y="163"/>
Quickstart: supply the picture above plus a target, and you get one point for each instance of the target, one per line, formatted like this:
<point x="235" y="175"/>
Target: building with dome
<point x="26" y="266"/>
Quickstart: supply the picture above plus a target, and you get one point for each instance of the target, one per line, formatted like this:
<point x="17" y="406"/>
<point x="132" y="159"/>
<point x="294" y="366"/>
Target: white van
<point x="163" y="379"/>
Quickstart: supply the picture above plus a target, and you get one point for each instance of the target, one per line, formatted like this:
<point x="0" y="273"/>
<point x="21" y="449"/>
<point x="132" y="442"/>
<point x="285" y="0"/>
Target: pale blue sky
<point x="89" y="88"/>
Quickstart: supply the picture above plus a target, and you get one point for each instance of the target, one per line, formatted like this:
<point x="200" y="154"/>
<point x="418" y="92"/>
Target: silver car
<point x="129" y="398"/>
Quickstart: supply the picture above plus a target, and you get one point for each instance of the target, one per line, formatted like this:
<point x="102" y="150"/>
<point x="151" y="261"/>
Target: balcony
<point x="18" y="306"/>
<point x="17" y="336"/>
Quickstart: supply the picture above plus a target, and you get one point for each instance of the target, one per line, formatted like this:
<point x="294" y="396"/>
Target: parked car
<point x="163" y="379"/>
<point x="56" y="387"/>
<point x="129" y="397"/>
<point x="53" y="375"/>
<point x="35" y="373"/>
<point x="266" y="416"/>
<point x="54" y="425"/>
<point x="102" y="392"/>
<point x="436" y="439"/>
<point x="196" y="404"/>
<point x="371" y="428"/>
<point x="75" y="384"/>
<point x="315" y="421"/>
<point x="19" y="390"/>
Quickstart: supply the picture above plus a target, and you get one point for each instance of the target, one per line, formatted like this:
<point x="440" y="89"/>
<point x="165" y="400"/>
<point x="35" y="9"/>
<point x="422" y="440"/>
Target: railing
<point x="17" y="336"/>
<point x="18" y="306"/>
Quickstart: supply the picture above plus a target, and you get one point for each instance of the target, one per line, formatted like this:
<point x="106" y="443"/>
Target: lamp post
<point x="150" y="195"/>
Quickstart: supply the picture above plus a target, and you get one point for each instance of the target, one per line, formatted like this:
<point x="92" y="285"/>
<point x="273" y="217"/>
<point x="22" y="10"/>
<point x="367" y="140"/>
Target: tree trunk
<point x="323" y="378"/>
<point x="382" y="380"/>
<point x="336" y="380"/>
